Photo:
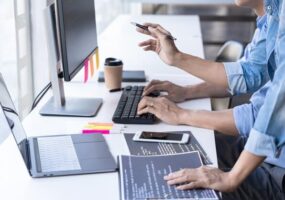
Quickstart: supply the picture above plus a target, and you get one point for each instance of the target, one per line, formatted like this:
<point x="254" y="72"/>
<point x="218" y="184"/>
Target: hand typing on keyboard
<point x="126" y="111"/>
<point x="175" y="93"/>
<point x="163" y="109"/>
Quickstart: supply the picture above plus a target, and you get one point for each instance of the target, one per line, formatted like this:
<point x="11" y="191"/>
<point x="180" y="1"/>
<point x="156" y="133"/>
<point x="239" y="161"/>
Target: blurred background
<point x="21" y="25"/>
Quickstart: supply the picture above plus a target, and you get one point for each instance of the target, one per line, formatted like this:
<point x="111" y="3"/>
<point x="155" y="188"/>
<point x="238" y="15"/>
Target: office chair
<point x="231" y="51"/>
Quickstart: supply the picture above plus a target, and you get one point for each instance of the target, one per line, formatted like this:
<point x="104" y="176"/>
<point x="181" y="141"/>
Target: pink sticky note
<point x="89" y="131"/>
<point x="86" y="66"/>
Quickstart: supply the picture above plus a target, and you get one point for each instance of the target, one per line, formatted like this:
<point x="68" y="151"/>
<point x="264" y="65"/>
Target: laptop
<point x="55" y="155"/>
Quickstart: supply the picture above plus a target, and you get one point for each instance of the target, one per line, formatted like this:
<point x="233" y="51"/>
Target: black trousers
<point x="260" y="185"/>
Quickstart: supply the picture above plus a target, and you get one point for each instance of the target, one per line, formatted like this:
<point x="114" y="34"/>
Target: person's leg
<point x="259" y="185"/>
<point x="228" y="150"/>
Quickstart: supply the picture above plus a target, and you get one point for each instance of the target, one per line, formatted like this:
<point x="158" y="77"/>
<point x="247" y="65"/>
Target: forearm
<point x="205" y="90"/>
<point x="222" y="121"/>
<point x="212" y="72"/>
<point x="246" y="163"/>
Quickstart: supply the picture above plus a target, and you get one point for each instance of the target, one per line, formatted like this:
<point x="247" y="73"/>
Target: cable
<point x="44" y="91"/>
<point x="10" y="110"/>
<point x="40" y="95"/>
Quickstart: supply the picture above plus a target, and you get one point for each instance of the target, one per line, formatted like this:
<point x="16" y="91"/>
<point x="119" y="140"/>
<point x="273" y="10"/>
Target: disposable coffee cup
<point x="113" y="73"/>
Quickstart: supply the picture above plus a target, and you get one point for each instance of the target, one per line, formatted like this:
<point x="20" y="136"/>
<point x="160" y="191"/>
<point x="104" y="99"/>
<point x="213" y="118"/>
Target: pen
<point x="116" y="90"/>
<point x="146" y="28"/>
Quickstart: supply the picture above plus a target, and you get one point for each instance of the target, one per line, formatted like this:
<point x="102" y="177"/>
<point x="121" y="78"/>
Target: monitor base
<point x="74" y="107"/>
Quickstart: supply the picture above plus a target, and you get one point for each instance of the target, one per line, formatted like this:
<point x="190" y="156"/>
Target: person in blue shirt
<point x="262" y="121"/>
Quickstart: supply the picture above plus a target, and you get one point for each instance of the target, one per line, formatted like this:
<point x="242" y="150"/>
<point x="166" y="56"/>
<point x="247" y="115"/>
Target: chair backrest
<point x="231" y="51"/>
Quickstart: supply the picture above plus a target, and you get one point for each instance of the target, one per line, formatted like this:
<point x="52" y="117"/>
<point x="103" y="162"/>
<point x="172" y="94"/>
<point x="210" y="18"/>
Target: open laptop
<point x="55" y="155"/>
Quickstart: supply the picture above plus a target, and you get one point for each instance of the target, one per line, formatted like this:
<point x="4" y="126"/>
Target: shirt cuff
<point x="235" y="76"/>
<point x="243" y="119"/>
<point x="261" y="144"/>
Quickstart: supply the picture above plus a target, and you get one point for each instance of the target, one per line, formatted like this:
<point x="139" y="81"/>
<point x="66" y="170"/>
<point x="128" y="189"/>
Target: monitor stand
<point x="58" y="105"/>
<point x="74" y="107"/>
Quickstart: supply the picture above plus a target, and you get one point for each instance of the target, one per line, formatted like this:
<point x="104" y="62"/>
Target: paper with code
<point x="151" y="148"/>
<point x="141" y="177"/>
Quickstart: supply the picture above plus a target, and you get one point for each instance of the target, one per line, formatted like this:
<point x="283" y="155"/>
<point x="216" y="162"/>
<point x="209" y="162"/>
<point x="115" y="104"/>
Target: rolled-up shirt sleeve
<point x="261" y="144"/>
<point x="235" y="76"/>
<point x="245" y="114"/>
<point x="249" y="75"/>
<point x="244" y="118"/>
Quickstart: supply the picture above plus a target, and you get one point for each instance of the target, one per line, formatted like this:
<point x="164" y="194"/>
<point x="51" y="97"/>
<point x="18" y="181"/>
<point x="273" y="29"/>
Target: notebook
<point x="128" y="76"/>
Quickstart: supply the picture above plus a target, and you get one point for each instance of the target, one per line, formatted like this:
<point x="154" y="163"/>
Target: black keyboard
<point x="126" y="111"/>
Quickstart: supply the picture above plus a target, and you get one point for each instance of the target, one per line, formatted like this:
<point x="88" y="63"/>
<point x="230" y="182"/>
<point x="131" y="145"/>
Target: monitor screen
<point x="78" y="34"/>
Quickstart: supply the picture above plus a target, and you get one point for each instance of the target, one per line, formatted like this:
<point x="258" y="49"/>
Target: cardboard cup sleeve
<point x="113" y="76"/>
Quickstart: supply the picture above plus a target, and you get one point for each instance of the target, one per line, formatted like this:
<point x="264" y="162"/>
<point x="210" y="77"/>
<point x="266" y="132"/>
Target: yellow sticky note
<point x="99" y="127"/>
<point x="100" y="124"/>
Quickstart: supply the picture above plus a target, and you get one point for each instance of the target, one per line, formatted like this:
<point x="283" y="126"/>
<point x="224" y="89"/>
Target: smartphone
<point x="167" y="137"/>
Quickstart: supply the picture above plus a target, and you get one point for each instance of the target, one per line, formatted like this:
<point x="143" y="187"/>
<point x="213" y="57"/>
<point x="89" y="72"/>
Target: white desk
<point x="15" y="183"/>
<point x="121" y="40"/>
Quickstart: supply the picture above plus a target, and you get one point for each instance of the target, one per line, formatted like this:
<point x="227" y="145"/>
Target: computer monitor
<point x="77" y="27"/>
<point x="72" y="38"/>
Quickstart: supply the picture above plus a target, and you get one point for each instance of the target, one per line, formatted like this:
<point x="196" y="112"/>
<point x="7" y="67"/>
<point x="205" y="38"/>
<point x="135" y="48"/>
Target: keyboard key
<point x="126" y="111"/>
<point x="57" y="154"/>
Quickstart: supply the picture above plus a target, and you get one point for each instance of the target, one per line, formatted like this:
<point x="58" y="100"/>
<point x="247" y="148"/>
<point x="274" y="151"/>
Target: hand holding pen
<point x="162" y="42"/>
<point x="145" y="29"/>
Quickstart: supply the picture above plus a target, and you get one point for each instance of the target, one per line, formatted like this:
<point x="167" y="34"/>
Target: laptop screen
<point x="11" y="121"/>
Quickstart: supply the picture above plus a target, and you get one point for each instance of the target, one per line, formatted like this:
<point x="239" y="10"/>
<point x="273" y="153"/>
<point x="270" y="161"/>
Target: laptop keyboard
<point x="57" y="154"/>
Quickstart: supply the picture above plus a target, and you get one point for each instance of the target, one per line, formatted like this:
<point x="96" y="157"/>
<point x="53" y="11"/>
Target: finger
<point x="156" y="33"/>
<point x="182" y="178"/>
<point x="149" y="48"/>
<point x="166" y="96"/>
<point x="153" y="25"/>
<point x="148" y="109"/>
<point x="147" y="42"/>
<point x="153" y="82"/>
<point x="178" y="180"/>
<point x="168" y="35"/>
<point x="189" y="186"/>
<point x="152" y="88"/>
<point x="189" y="177"/>
<point x="143" y="31"/>
<point x="177" y="174"/>
<point x="142" y="104"/>
<point x="158" y="26"/>
<point x="145" y="101"/>
<point x="173" y="175"/>
<point x="163" y="30"/>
